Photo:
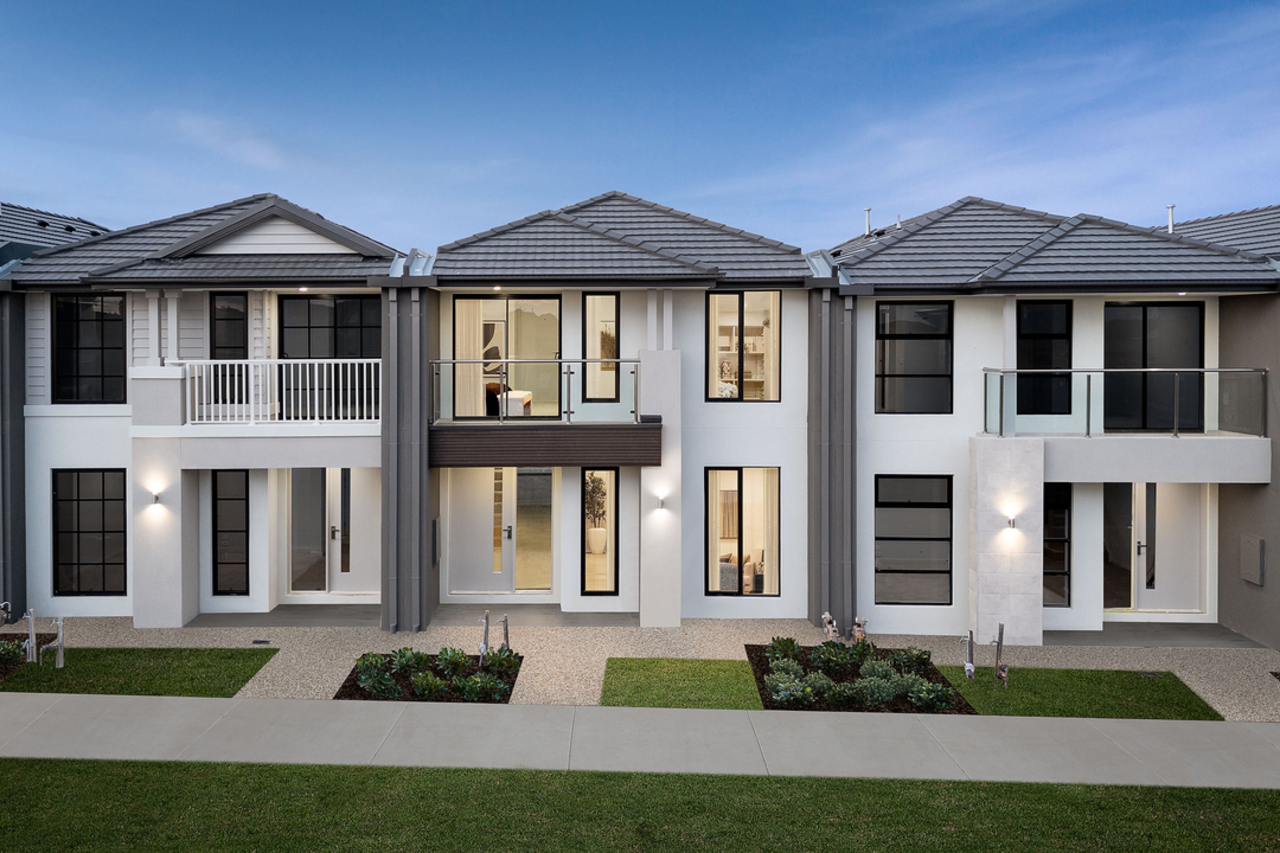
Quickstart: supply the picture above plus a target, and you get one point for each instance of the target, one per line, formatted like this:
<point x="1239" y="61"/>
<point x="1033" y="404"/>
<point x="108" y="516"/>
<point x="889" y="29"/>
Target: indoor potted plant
<point x="593" y="506"/>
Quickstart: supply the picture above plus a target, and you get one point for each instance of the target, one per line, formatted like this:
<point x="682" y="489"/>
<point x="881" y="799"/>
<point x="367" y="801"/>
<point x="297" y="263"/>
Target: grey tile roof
<point x="977" y="244"/>
<point x="617" y="235"/>
<point x="1256" y="230"/>
<point x="41" y="228"/>
<point x="101" y="258"/>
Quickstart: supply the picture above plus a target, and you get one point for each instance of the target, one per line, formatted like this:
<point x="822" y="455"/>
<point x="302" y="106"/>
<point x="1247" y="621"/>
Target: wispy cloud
<point x="237" y="144"/>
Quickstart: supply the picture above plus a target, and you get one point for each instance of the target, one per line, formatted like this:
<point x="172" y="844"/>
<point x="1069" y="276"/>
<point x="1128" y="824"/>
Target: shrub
<point x="380" y="684"/>
<point x="911" y="660"/>
<point x="10" y="652"/>
<point x="932" y="697"/>
<point x="878" y="669"/>
<point x="407" y="660"/>
<point x="504" y="661"/>
<point x="876" y="691"/>
<point x="909" y="681"/>
<point x="428" y="685"/>
<point x="819" y="683"/>
<point x="369" y="665"/>
<point x="787" y="666"/>
<point x="832" y="657"/>
<point x="782" y="647"/>
<point x="452" y="662"/>
<point x="481" y="687"/>
<point x="787" y="692"/>
<point x="863" y="651"/>
<point x="844" y="695"/>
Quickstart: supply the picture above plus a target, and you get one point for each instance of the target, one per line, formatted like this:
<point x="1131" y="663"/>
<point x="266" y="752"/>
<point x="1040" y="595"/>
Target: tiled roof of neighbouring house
<point x="1256" y="230"/>
<point x="620" y="236"/>
<point x="976" y="245"/>
<point x="42" y="229"/>
<point x="164" y="250"/>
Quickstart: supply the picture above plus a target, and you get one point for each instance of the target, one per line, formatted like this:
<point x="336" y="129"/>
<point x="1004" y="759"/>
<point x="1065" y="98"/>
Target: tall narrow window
<point x="88" y="365"/>
<point x="742" y="531"/>
<point x="230" y="320"/>
<point x="913" y="358"/>
<point x="600" y="341"/>
<point x="1057" y="544"/>
<point x="1044" y="343"/>
<point x="599" y="531"/>
<point x="744" y="353"/>
<point x="231" y="532"/>
<point x="88" y="532"/>
<point x="913" y="540"/>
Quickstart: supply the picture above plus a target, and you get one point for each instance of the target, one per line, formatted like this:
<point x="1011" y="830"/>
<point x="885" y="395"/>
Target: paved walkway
<point x="559" y="737"/>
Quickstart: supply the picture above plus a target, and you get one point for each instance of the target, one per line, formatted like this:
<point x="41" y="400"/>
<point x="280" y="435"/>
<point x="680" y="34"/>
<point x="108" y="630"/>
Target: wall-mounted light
<point x="1011" y="521"/>
<point x="662" y="503"/>
<point x="155" y="497"/>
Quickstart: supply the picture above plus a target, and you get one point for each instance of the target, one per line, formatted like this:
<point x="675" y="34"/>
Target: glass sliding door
<point x="1166" y="335"/>
<point x="491" y="329"/>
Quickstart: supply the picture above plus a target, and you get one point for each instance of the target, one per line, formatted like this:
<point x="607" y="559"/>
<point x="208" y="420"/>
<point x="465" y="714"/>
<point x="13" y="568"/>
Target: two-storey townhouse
<point x="1047" y="410"/>
<point x="1249" y="515"/>
<point x="200" y="402"/>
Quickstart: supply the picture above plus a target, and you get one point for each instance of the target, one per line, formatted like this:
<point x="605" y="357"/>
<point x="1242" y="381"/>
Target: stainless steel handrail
<point x="568" y="412"/>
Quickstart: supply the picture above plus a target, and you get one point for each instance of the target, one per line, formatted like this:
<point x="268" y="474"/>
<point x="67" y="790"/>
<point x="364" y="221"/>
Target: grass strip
<point x="679" y="683"/>
<point x="104" y="805"/>
<point x="143" y="672"/>
<point x="1100" y="693"/>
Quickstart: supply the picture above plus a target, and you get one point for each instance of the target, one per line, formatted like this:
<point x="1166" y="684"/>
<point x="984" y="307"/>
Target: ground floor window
<point x="231" y="532"/>
<point x="1057" y="544"/>
<point x="599" y="531"/>
<point x="913" y="540"/>
<point x="742" y="531"/>
<point x="89" y="532"/>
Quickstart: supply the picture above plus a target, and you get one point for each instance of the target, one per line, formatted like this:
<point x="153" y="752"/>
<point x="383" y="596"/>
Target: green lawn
<point x="1082" y="693"/>
<point x="143" y="672"/>
<point x="679" y="683"/>
<point x="128" y="805"/>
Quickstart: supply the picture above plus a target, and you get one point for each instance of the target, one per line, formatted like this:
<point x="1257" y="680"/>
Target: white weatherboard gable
<point x="276" y="236"/>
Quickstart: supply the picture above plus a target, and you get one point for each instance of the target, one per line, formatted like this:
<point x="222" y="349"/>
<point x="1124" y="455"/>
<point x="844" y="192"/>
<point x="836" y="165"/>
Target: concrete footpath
<point x="648" y="740"/>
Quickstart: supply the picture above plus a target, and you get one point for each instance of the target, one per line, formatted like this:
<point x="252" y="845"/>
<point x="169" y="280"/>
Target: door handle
<point x="333" y="532"/>
<point x="1140" y="547"/>
<point x="507" y="530"/>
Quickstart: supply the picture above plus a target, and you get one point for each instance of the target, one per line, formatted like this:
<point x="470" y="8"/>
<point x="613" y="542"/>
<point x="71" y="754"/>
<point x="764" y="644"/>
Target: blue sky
<point x="420" y="123"/>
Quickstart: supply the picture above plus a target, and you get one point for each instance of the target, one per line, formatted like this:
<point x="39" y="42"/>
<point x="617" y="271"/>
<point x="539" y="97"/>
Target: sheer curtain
<point x="713" y="530"/>
<point x="468" y="379"/>
<point x="771" y="523"/>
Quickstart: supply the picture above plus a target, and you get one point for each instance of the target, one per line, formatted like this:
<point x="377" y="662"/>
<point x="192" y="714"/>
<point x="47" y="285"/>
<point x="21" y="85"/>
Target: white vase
<point x="597" y="539"/>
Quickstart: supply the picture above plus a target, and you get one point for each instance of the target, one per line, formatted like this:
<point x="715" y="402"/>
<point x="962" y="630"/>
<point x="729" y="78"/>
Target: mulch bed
<point x="351" y="690"/>
<point x="899" y="705"/>
<point x="41" y="640"/>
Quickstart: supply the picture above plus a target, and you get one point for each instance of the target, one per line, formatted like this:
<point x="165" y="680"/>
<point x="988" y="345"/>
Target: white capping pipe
<point x="1171" y="207"/>
<point x="868" y="231"/>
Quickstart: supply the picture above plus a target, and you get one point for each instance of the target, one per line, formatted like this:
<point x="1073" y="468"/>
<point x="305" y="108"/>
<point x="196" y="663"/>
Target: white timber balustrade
<point x="283" y="391"/>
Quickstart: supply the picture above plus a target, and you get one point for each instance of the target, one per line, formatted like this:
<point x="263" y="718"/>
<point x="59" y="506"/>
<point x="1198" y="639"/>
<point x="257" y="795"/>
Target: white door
<point x="500" y="536"/>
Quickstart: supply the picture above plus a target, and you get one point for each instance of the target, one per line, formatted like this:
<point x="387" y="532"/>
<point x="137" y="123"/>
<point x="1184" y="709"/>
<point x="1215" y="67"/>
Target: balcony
<point x="282" y="391"/>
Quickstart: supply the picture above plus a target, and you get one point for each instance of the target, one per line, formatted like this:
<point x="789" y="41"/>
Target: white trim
<point x="79" y="410"/>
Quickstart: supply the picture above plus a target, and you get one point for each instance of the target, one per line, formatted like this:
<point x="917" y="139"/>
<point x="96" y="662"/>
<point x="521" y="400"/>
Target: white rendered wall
<point x="72" y="437"/>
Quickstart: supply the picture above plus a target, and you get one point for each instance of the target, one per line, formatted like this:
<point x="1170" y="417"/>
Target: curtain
<point x="468" y="379"/>
<point x="713" y="530"/>
<point x="771" y="523"/>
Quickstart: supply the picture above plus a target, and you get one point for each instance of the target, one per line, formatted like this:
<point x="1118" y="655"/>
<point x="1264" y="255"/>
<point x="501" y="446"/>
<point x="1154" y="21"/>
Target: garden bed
<point x="403" y="678"/>
<point x="898" y="705"/>
<point x="7" y="670"/>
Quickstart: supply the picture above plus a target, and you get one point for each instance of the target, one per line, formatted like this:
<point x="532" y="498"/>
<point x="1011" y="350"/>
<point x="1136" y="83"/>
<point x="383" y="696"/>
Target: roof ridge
<point x="4" y="204"/>
<point x="1223" y="215"/>
<point x="634" y="242"/>
<point x="1015" y="258"/>
<point x="132" y="229"/>
<point x="680" y="214"/>
<point x="912" y="226"/>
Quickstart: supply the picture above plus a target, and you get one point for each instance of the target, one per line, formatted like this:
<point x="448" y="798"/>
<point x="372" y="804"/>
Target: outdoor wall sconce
<point x="1011" y="521"/>
<point x="155" y="497"/>
<point x="662" y="503"/>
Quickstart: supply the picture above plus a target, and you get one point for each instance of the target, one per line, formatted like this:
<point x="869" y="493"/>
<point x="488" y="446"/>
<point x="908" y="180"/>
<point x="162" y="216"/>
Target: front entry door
<point x="1152" y="547"/>
<point x="510" y="510"/>
<point x="330" y="508"/>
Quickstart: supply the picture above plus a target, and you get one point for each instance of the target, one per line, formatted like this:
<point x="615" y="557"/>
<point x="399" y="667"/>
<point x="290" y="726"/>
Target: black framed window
<point x="744" y="346"/>
<point x="1057" y="544"/>
<point x="89" y="532"/>
<point x="229" y="321"/>
<point x="600" y="340"/>
<point x="742" y="526"/>
<point x="599" y="531"/>
<point x="231" y="532"/>
<point x="913" y="539"/>
<point x="1167" y="335"/>
<point x="1044" y="343"/>
<point x="88" y="343"/>
<point x="330" y="326"/>
<point x="914" y="358"/>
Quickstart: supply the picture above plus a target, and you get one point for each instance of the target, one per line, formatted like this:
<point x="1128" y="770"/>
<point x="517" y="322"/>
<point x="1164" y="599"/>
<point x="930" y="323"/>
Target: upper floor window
<point x="600" y="340"/>
<point x="229" y="338"/>
<point x="331" y="326"/>
<point x="913" y="357"/>
<point x="88" y="341"/>
<point x="744" y="353"/>
<point x="1044" y="343"/>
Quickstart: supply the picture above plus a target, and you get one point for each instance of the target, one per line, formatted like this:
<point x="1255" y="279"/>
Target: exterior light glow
<point x="302" y="290"/>
<point x="155" y="497"/>
<point x="1011" y="521"/>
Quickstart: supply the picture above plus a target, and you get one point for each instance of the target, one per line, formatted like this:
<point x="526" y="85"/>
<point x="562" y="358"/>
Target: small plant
<point x="428" y="685"/>
<point x="481" y="687"/>
<point x="878" y="669"/>
<point x="787" y="666"/>
<point x="844" y="696"/>
<point x="819" y="683"/>
<point x="782" y="647"/>
<point x="502" y="661"/>
<point x="369" y="665"/>
<point x="452" y="662"/>
<point x="909" y="681"/>
<point x="876" y="691"/>
<point x="787" y="692"/>
<point x="380" y="684"/>
<point x="832" y="657"/>
<point x="911" y="660"/>
<point x="407" y="660"/>
<point x="932" y="697"/>
<point x="862" y="651"/>
<point x="10" y="652"/>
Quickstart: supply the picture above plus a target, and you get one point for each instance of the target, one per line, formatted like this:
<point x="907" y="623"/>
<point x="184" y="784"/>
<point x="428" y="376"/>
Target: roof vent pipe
<point x="868" y="231"/>
<point x="1171" y="207"/>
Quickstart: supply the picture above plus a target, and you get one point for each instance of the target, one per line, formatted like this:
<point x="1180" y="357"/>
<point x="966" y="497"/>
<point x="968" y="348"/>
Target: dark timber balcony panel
<point x="554" y="444"/>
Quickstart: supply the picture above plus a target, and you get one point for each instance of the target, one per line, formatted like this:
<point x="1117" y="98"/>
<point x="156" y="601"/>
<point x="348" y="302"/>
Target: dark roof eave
<point x="1057" y="288"/>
